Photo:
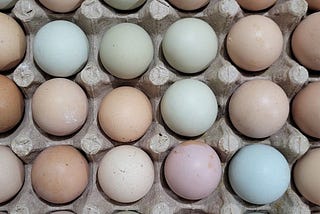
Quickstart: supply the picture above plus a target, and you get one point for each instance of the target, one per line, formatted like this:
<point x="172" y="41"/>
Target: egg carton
<point x="155" y="16"/>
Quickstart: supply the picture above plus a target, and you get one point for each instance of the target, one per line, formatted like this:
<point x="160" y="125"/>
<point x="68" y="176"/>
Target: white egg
<point x="125" y="4"/>
<point x="126" y="50"/>
<point x="190" y="45"/>
<point x="189" y="107"/>
<point x="61" y="48"/>
<point x="6" y="4"/>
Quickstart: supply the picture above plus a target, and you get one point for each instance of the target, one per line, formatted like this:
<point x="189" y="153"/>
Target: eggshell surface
<point x="11" y="174"/>
<point x="6" y="4"/>
<point x="59" y="107"/>
<point x="125" y="4"/>
<point x="259" y="174"/>
<point x="127" y="43"/>
<point x="258" y="108"/>
<point x="189" y="5"/>
<point x="61" y="48"/>
<point x="306" y="42"/>
<point x="189" y="107"/>
<point x="255" y="5"/>
<point x="11" y="104"/>
<point x="306" y="174"/>
<point x="254" y="42"/>
<point x="61" y="6"/>
<point x="313" y="4"/>
<point x="193" y="170"/>
<point x="59" y="174"/>
<point x="190" y="45"/>
<point x="125" y="114"/>
<point x="13" y="43"/>
<point x="126" y="174"/>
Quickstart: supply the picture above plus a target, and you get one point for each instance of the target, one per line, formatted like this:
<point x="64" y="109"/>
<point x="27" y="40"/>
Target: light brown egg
<point x="254" y="43"/>
<point x="314" y="4"/>
<point x="258" y="108"/>
<point x="125" y="114"/>
<point x="59" y="174"/>
<point x="255" y="5"/>
<point x="306" y="109"/>
<point x="306" y="175"/>
<point x="13" y="43"/>
<point x="61" y="6"/>
<point x="306" y="42"/>
<point x="59" y="107"/>
<point x="189" y="4"/>
<point x="11" y="104"/>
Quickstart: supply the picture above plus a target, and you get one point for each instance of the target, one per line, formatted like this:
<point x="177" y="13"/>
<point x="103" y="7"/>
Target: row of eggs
<point x="255" y="42"/>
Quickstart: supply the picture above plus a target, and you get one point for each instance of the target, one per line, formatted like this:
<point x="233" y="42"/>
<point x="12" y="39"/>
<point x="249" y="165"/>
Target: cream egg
<point x="61" y="6"/>
<point x="126" y="174"/>
<point x="254" y="43"/>
<point x="125" y="4"/>
<point x="258" y="108"/>
<point x="189" y="5"/>
<point x="59" y="174"/>
<point x="125" y="114"/>
<point x="59" y="107"/>
<point x="13" y="43"/>
<point x="255" y="5"/>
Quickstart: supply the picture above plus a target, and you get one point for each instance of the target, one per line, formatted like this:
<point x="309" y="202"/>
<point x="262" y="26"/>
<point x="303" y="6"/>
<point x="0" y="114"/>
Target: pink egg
<point x="193" y="170"/>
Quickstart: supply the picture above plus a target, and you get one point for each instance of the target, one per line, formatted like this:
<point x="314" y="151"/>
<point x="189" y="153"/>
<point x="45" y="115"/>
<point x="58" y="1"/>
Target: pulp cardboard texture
<point x="95" y="17"/>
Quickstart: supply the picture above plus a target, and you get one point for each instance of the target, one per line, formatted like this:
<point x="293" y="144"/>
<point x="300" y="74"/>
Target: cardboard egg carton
<point x="95" y="17"/>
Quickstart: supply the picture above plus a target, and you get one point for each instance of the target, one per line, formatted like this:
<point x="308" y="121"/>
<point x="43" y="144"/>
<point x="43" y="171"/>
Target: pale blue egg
<point x="259" y="174"/>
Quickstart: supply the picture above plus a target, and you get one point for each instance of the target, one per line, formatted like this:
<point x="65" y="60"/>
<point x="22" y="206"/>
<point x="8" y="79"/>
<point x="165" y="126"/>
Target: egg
<point x="259" y="174"/>
<point x="305" y="109"/>
<point x="61" y="48"/>
<point x="61" y="6"/>
<point x="11" y="104"/>
<point x="126" y="174"/>
<point x="306" y="175"/>
<point x="254" y="5"/>
<point x="189" y="107"/>
<point x="11" y="174"/>
<point x="190" y="45"/>
<point x="125" y="4"/>
<point x="254" y="43"/>
<point x="7" y="4"/>
<point x="125" y="114"/>
<point x="313" y="4"/>
<point x="189" y="5"/>
<point x="59" y="107"/>
<point x="258" y="108"/>
<point x="193" y="170"/>
<point x="62" y="212"/>
<point x="127" y="43"/>
<point x="306" y="42"/>
<point x="13" y="43"/>
<point x="59" y="174"/>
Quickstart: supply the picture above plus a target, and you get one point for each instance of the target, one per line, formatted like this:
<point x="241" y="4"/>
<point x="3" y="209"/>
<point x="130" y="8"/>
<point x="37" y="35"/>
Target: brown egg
<point x="306" y="42"/>
<point x="306" y="109"/>
<point x="255" y="5"/>
<point x="125" y="114"/>
<point x="61" y="6"/>
<point x="59" y="174"/>
<point x="11" y="104"/>
<point x="314" y="4"/>
<point x="189" y="4"/>
<point x="306" y="175"/>
<point x="13" y="43"/>
<point x="258" y="108"/>
<point x="254" y="43"/>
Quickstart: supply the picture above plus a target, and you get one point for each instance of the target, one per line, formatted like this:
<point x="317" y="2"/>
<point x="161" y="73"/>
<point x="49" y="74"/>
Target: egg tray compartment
<point x="94" y="17"/>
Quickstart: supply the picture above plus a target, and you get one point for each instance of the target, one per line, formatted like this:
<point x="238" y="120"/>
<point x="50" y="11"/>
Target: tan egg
<point x="61" y="6"/>
<point x="306" y="175"/>
<point x="254" y="43"/>
<point x="189" y="4"/>
<point x="314" y="4"/>
<point x="13" y="43"/>
<point x="255" y="5"/>
<point x="60" y="174"/>
<point x="125" y="114"/>
<point x="306" y="42"/>
<point x="305" y="109"/>
<point x="11" y="104"/>
<point x="258" y="108"/>
<point x="59" y="107"/>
